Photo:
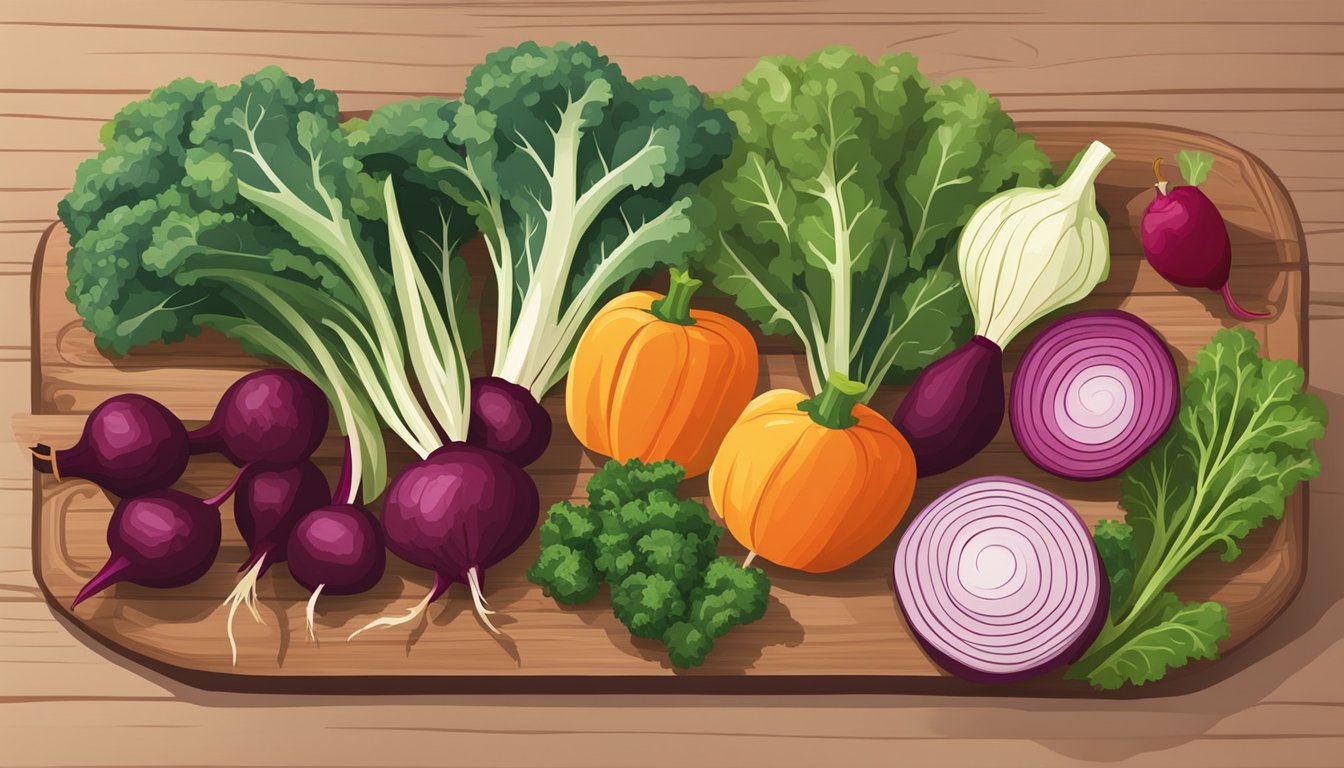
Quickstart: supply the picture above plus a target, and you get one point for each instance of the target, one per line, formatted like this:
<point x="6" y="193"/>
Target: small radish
<point x="266" y="507"/>
<point x="1185" y="236"/>
<point x="456" y="513"/>
<point x="164" y="539"/>
<point x="275" y="416"/>
<point x="130" y="445"/>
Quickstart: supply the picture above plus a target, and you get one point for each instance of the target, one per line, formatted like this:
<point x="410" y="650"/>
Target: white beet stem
<point x="245" y="593"/>
<point x="411" y="615"/>
<point x="311" y="609"/>
<point x="477" y="599"/>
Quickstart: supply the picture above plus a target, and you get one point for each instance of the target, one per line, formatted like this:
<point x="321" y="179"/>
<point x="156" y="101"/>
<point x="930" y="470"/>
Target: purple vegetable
<point x="267" y="505"/>
<point x="954" y="407"/>
<point x="457" y="513"/>
<point x="506" y="419"/>
<point x="337" y="550"/>
<point x="276" y="416"/>
<point x="1185" y="239"/>
<point x="1092" y="394"/>
<point x="164" y="539"/>
<point x="130" y="445"/>
<point x="999" y="581"/>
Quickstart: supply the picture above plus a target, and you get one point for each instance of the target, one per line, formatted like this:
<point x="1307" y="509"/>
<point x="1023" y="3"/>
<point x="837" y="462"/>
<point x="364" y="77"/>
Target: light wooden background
<point x="1268" y="76"/>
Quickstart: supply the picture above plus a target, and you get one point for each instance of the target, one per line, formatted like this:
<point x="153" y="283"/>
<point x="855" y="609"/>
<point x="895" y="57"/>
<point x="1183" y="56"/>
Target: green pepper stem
<point x="675" y="307"/>
<point x="834" y="407"/>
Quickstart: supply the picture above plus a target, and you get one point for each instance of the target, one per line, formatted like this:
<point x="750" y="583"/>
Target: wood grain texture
<point x="837" y="632"/>
<point x="1275" y="90"/>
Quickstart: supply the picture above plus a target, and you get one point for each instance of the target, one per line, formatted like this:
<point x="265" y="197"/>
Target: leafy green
<point x="250" y="209"/>
<point x="1240" y="444"/>
<point x="847" y="188"/>
<point x="580" y="180"/>
<point x="658" y="554"/>
<point x="1194" y="165"/>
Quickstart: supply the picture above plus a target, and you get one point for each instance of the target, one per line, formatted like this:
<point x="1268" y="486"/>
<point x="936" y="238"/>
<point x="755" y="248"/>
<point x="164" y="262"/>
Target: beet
<point x="276" y="416"/>
<point x="457" y="513"/>
<point x="336" y="549"/>
<point x="268" y="504"/>
<point x="1185" y="239"/>
<point x="954" y="407"/>
<point x="130" y="445"/>
<point x="162" y="540"/>
<point x="506" y="419"/>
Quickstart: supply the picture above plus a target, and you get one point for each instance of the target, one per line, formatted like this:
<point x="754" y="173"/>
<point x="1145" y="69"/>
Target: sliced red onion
<point x="1093" y="392"/>
<point x="999" y="581"/>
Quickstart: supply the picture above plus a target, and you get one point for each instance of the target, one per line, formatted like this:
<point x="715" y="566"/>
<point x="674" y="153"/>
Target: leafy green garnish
<point x="847" y="188"/>
<point x="657" y="552"/>
<point x="1194" y="165"/>
<point x="1240" y="444"/>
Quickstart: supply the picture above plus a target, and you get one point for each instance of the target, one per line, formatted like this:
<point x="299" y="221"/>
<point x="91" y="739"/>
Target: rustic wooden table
<point x="1266" y="76"/>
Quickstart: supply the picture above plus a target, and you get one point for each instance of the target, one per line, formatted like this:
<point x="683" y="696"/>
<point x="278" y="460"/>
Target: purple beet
<point x="277" y="417"/>
<point x="164" y="539"/>
<point x="268" y="504"/>
<point x="338" y="550"/>
<point x="457" y="513"/>
<point x="1185" y="239"/>
<point x="130" y="445"/>
<point x="506" y="419"/>
<point x="954" y="407"/>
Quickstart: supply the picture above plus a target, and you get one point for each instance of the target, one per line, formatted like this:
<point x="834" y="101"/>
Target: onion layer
<point x="1092" y="393"/>
<point x="999" y="581"/>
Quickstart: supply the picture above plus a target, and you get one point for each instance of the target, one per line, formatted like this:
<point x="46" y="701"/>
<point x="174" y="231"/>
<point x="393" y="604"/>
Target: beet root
<point x="161" y="540"/>
<point x="1185" y="239"/>
<point x="506" y="419"/>
<point x="954" y="407"/>
<point x="130" y="445"/>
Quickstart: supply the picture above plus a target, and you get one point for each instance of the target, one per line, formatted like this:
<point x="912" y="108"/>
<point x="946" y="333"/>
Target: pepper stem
<point x="1162" y="184"/>
<point x="834" y="407"/>
<point x="675" y="307"/>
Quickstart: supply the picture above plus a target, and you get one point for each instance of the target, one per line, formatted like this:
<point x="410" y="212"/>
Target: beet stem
<point x="311" y="610"/>
<point x="204" y="440"/>
<point x="344" y="493"/>
<point x="223" y="496"/>
<point x="440" y="585"/>
<point x="1236" y="309"/>
<point x="102" y="580"/>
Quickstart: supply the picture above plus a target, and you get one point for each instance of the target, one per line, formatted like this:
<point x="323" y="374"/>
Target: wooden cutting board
<point x="838" y="632"/>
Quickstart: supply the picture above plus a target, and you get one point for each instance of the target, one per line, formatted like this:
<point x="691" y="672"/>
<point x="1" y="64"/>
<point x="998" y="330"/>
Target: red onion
<point x="999" y="581"/>
<point x="1093" y="392"/>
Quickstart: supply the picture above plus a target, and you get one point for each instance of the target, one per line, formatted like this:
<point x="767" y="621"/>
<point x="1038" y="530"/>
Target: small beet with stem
<point x="508" y="420"/>
<point x="276" y="417"/>
<point x="1185" y="236"/>
<point x="338" y="547"/>
<point x="336" y="550"/>
<point x="130" y="445"/>
<point x="267" y="505"/>
<point x="457" y="513"/>
<point x="164" y="539"/>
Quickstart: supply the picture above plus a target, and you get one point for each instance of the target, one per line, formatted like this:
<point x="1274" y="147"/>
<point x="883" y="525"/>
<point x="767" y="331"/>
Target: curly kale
<point x="251" y="209"/>
<point x="658" y="554"/>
